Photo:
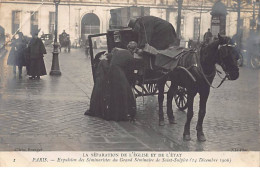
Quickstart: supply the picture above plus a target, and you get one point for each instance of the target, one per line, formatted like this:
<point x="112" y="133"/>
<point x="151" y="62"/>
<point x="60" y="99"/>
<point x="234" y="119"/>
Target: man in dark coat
<point x="207" y="37"/>
<point x="155" y="31"/>
<point x="36" y="50"/>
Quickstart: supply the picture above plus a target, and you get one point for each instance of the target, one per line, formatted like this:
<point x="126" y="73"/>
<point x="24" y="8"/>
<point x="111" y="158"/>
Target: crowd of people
<point x="27" y="54"/>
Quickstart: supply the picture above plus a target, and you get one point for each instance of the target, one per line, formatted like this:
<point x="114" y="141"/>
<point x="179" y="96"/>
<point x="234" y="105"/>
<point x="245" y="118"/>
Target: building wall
<point x="72" y="11"/>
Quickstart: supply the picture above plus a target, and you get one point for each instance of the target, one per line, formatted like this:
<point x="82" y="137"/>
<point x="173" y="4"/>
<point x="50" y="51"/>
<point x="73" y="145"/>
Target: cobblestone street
<point x="48" y="114"/>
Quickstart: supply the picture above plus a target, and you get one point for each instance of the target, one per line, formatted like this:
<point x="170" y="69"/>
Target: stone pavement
<point x="231" y="122"/>
<point x="47" y="115"/>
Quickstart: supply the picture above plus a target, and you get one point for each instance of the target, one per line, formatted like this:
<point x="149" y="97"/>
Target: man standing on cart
<point x="154" y="31"/>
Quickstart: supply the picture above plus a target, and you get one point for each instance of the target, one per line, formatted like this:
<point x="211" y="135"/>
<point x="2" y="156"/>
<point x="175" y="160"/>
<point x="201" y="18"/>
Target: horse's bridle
<point x="221" y="62"/>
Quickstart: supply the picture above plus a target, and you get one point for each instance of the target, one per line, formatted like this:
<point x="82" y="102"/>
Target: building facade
<point x="83" y="17"/>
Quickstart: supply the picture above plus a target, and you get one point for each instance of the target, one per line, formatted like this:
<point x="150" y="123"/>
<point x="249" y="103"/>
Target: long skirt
<point x="122" y="105"/>
<point x="97" y="102"/>
<point x="36" y="67"/>
<point x="112" y="97"/>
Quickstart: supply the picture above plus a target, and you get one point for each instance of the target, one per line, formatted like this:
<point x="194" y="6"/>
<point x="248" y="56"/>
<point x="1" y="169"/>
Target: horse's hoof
<point x="201" y="137"/>
<point x="161" y="123"/>
<point x="172" y="121"/>
<point x="186" y="137"/>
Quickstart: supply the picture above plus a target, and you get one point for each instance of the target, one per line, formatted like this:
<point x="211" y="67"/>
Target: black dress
<point x="112" y="97"/>
<point x="36" y="63"/>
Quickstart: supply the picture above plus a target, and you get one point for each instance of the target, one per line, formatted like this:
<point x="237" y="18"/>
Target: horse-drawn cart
<point x="146" y="84"/>
<point x="65" y="41"/>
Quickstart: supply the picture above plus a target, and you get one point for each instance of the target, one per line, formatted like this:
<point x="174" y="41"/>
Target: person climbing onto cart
<point x="154" y="31"/>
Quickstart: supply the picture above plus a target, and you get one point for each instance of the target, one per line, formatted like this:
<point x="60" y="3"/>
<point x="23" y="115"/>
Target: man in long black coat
<point x="155" y="31"/>
<point x="36" y="50"/>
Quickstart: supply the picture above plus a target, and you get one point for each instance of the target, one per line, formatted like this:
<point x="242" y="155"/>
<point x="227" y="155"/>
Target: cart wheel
<point x="181" y="98"/>
<point x="151" y="88"/>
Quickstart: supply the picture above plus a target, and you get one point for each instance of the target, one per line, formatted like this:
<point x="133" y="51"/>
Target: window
<point x="16" y="16"/>
<point x="34" y="21"/>
<point x="51" y="22"/>
<point x="196" y="30"/>
<point x="252" y="23"/>
<point x="90" y="24"/>
<point x="181" y="26"/>
<point x="241" y="21"/>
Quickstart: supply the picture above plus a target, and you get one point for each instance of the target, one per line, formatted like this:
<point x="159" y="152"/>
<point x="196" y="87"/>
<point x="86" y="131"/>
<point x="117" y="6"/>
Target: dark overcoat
<point x="36" y="63"/>
<point x="17" y="53"/>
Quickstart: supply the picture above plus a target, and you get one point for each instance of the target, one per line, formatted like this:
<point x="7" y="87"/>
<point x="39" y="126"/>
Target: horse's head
<point x="228" y="57"/>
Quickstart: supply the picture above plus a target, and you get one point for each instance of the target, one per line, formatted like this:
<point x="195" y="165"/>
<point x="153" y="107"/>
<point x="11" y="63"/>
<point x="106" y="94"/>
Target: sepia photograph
<point x="129" y="82"/>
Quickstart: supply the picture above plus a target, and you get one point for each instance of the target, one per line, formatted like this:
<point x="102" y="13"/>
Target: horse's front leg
<point x="161" y="84"/>
<point x="190" y="100"/>
<point x="170" y="94"/>
<point x="202" y="112"/>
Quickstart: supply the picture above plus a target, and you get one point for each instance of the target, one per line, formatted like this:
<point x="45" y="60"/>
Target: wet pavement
<point x="48" y="114"/>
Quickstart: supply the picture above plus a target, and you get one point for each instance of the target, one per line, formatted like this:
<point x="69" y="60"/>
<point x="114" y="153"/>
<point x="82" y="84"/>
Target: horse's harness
<point x="198" y="64"/>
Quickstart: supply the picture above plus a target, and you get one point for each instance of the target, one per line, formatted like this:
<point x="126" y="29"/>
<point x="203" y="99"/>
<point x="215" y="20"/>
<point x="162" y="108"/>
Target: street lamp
<point x="55" y="68"/>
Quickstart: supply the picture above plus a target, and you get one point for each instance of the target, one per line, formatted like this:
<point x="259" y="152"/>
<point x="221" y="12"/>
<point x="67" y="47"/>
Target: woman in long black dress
<point x="112" y="97"/>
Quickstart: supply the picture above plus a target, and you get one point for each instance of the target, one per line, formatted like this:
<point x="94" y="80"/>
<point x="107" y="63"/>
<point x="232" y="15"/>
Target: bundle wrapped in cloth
<point x="166" y="59"/>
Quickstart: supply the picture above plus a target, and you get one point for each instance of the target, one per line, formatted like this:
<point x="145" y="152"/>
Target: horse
<point x="221" y="52"/>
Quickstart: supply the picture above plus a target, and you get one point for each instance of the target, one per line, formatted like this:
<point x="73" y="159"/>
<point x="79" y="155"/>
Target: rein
<point x="212" y="74"/>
